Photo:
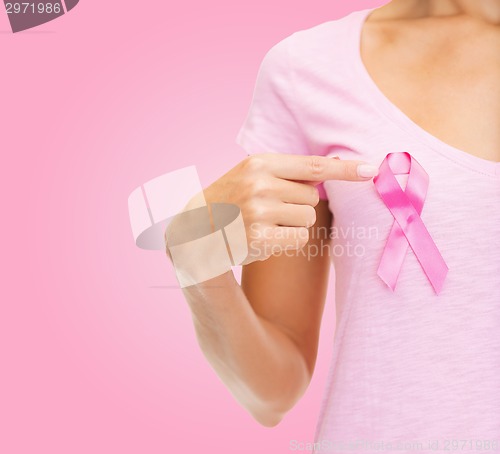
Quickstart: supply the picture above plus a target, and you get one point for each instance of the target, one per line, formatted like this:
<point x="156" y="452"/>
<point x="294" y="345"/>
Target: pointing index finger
<point x="320" y="168"/>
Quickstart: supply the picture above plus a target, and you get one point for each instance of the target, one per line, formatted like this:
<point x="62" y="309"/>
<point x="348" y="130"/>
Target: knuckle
<point x="256" y="211"/>
<point x="254" y="163"/>
<point x="259" y="187"/>
<point x="316" y="166"/>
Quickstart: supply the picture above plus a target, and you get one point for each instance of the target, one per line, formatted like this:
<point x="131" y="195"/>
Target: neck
<point x="485" y="10"/>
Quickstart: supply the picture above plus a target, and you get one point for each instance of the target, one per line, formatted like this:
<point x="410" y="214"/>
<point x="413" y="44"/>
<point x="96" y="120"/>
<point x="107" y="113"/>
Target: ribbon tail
<point x="393" y="256"/>
<point x="428" y="254"/>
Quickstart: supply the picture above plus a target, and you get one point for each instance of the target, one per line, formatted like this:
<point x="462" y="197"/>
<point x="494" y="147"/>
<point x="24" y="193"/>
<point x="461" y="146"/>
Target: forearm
<point x="259" y="363"/>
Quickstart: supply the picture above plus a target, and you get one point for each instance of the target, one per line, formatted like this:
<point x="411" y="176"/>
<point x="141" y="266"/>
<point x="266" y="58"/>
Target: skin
<point x="445" y="57"/>
<point x="261" y="338"/>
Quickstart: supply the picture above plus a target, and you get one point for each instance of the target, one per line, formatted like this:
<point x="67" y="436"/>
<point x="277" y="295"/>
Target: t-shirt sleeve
<point x="271" y="124"/>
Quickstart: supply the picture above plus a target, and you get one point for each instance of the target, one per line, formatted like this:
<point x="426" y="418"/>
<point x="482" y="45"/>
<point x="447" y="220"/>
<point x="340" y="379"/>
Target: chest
<point x="448" y="85"/>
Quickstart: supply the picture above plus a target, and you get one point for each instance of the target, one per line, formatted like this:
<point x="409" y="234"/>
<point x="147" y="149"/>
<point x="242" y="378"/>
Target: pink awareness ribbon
<point x="408" y="228"/>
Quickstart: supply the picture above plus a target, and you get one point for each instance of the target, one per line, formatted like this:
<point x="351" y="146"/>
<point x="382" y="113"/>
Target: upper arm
<point x="289" y="290"/>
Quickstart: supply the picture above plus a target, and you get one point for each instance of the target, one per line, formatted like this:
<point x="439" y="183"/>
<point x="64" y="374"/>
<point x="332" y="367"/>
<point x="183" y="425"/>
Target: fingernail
<point x="367" y="170"/>
<point x="334" y="157"/>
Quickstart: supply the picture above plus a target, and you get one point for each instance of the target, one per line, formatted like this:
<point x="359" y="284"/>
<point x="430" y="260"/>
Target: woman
<point x="410" y="364"/>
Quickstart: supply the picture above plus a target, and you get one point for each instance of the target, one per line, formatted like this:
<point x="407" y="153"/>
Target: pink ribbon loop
<point x="408" y="228"/>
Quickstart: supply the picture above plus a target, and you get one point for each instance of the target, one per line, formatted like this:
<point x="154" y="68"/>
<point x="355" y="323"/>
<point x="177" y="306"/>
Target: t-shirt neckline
<point x="397" y="116"/>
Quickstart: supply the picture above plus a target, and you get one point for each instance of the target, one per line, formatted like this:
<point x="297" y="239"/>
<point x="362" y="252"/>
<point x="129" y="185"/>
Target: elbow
<point x="273" y="399"/>
<point x="268" y="419"/>
<point x="271" y="422"/>
<point x="270" y="412"/>
<point x="276" y="407"/>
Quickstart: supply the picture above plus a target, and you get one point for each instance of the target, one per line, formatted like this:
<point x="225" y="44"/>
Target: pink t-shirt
<point x="409" y="367"/>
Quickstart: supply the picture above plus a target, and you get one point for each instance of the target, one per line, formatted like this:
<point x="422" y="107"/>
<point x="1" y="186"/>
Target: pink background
<point x="97" y="356"/>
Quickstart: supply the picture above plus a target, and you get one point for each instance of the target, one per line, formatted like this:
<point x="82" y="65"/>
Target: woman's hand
<point x="276" y="194"/>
